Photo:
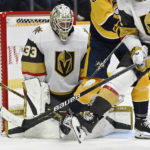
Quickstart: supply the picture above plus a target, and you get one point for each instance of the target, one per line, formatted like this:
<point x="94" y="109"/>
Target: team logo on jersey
<point x="147" y="22"/>
<point x="64" y="62"/>
<point x="145" y="19"/>
<point x="37" y="30"/>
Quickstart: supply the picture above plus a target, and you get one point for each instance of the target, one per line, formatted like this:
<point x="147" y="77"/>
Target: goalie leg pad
<point x="4" y="113"/>
<point x="38" y="93"/>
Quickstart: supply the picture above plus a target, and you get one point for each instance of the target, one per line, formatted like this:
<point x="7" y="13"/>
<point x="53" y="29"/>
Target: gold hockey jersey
<point x="135" y="18"/>
<point x="135" y="27"/>
<point x="53" y="61"/>
<point x="104" y="18"/>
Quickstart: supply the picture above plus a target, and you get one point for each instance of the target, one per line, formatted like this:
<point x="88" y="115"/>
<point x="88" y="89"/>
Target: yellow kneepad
<point x="140" y="94"/>
<point x="86" y="99"/>
<point x="141" y="91"/>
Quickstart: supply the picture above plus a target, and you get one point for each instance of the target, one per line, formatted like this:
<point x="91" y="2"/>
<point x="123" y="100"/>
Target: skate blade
<point x="142" y="135"/>
<point x="78" y="132"/>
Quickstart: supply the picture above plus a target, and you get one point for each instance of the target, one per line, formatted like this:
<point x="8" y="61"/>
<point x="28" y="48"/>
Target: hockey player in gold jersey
<point x="103" y="36"/>
<point x="135" y="18"/>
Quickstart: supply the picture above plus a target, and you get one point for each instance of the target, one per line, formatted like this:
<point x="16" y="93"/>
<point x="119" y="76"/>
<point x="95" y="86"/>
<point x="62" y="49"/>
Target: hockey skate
<point x="65" y="125"/>
<point x="79" y="132"/>
<point x="71" y="122"/>
<point x="142" y="129"/>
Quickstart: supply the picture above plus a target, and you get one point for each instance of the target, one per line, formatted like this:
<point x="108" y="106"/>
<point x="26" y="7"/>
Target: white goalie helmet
<point x="61" y="20"/>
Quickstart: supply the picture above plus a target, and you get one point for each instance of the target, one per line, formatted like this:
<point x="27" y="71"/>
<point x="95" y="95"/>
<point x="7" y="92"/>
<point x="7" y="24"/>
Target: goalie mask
<point x="61" y="20"/>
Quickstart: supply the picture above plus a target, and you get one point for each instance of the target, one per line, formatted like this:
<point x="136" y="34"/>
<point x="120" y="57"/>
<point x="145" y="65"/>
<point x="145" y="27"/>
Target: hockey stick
<point x="101" y="65"/>
<point x="11" y="90"/>
<point x="33" y="109"/>
<point x="29" y="123"/>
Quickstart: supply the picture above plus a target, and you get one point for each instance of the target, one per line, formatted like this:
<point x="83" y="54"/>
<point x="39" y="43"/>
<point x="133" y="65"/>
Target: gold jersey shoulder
<point x="102" y="17"/>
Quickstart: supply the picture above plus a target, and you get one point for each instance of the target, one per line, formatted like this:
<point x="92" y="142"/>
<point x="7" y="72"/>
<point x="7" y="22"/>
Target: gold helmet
<point x="61" y="20"/>
<point x="147" y="22"/>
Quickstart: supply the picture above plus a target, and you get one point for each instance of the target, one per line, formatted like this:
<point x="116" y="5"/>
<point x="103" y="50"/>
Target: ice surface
<point x="124" y="141"/>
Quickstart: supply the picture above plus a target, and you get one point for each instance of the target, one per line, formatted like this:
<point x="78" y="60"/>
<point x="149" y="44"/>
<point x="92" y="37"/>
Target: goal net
<point x="15" y="28"/>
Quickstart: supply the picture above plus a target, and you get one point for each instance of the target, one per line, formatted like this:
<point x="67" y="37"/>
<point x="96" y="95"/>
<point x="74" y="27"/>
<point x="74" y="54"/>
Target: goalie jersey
<point x="57" y="63"/>
<point x="135" y="18"/>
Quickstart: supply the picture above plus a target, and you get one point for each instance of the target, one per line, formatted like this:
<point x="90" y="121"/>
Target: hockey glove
<point x="145" y="66"/>
<point x="138" y="55"/>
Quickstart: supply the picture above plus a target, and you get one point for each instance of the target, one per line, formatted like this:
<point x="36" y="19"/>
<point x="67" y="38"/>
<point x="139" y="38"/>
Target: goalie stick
<point x="29" y="123"/>
<point x="25" y="96"/>
<point x="11" y="90"/>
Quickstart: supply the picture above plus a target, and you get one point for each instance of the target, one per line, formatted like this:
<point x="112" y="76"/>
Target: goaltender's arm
<point x="33" y="62"/>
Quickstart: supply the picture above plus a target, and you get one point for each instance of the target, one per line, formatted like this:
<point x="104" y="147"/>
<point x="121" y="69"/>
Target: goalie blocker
<point x="118" y="118"/>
